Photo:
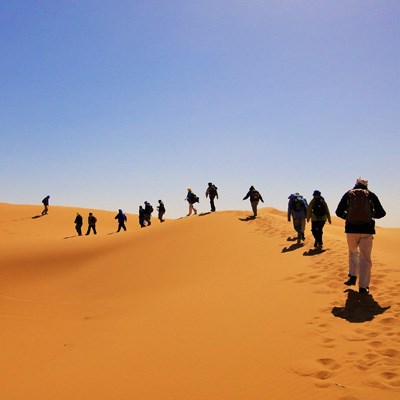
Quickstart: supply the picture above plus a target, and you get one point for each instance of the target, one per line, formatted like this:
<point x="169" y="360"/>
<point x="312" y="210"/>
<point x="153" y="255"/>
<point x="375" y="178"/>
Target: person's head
<point x="297" y="194"/>
<point x="160" y="201"/>
<point x="90" y="214"/>
<point x="189" y="190"/>
<point x="77" y="214"/>
<point x="362" y="181"/>
<point x="316" y="193"/>
<point x="209" y="183"/>
<point x="252" y="188"/>
<point x="120" y="211"/>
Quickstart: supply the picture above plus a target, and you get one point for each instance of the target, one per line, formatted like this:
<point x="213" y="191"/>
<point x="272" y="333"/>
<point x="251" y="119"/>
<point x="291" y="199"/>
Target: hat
<point x="189" y="190"/>
<point x="316" y="193"/>
<point x="361" y="181"/>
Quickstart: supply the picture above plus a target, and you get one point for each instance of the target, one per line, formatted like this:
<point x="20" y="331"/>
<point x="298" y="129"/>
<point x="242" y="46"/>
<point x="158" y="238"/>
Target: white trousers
<point x="360" y="248"/>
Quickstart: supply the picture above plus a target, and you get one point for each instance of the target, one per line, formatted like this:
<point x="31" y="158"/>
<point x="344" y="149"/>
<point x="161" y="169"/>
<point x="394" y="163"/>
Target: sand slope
<point x="207" y="307"/>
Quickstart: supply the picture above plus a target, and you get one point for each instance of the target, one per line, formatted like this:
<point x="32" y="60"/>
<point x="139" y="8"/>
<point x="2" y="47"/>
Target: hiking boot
<point x="351" y="281"/>
<point x="363" y="290"/>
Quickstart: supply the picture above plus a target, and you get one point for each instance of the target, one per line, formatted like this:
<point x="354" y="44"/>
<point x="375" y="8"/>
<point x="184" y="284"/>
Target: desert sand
<point x="208" y="307"/>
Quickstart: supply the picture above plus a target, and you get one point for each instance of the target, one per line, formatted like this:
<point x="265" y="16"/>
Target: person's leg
<point x="212" y="204"/>
<point x="297" y="224"/>
<point x="353" y="241"/>
<point x="314" y="231"/>
<point x="94" y="229"/>
<point x="254" y="205"/>
<point x="303" y="228"/>
<point x="190" y="209"/>
<point x="365" y="246"/>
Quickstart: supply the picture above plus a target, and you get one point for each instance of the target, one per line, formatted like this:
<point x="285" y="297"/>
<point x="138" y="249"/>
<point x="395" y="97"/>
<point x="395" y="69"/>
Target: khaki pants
<point x="360" y="248"/>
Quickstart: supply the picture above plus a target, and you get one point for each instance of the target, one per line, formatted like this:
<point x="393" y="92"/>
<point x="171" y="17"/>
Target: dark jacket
<point x="79" y="220"/>
<point x="296" y="214"/>
<point x="254" y="195"/>
<point x="121" y="217"/>
<point x="377" y="212"/>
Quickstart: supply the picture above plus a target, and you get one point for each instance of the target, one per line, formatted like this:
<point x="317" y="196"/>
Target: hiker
<point x="212" y="192"/>
<point x="360" y="207"/>
<point x="121" y="217"/>
<point x="45" y="202"/>
<point x="255" y="197"/>
<point x="161" y="210"/>
<point x="297" y="210"/>
<point x="148" y="209"/>
<point x="78" y="223"/>
<point x="318" y="212"/>
<point x="192" y="199"/>
<point x="141" y="217"/>
<point x="91" y="224"/>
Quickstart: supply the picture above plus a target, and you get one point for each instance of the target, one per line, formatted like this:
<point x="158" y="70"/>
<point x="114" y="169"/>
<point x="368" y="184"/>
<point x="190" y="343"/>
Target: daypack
<point x="212" y="190"/>
<point x="319" y="207"/>
<point x="148" y="209"/>
<point x="255" y="195"/>
<point x="298" y="203"/>
<point x="358" y="206"/>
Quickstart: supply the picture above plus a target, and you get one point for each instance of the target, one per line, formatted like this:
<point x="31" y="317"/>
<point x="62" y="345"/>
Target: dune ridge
<point x="211" y="306"/>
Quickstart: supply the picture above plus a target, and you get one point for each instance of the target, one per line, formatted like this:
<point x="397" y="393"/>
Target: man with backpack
<point x="212" y="193"/>
<point x="297" y="210"/>
<point x="45" y="203"/>
<point x="121" y="217"/>
<point x="91" y="224"/>
<point x="148" y="209"/>
<point x="255" y="197"/>
<point x="192" y="199"/>
<point x="161" y="210"/>
<point x="318" y="212"/>
<point x="360" y="207"/>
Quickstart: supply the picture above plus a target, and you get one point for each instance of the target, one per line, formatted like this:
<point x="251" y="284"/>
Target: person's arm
<point x="378" y="211"/>
<point x="247" y="196"/>
<point x="341" y="210"/>
<point x="309" y="209"/>
<point x="328" y="214"/>
<point x="261" y="198"/>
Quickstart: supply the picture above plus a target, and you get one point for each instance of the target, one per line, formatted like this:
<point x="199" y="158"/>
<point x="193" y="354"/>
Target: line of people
<point x="359" y="207"/>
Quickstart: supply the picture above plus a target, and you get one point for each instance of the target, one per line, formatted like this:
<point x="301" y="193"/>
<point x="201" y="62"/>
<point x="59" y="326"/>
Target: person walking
<point x="318" y="212"/>
<point x="141" y="217"/>
<point x="161" y="210"/>
<point x="192" y="199"/>
<point x="359" y="207"/>
<point x="121" y="217"/>
<point x="148" y="209"/>
<point x="91" y="224"/>
<point x="255" y="197"/>
<point x="212" y="192"/>
<point x="297" y="210"/>
<point x="78" y="223"/>
<point x="45" y="202"/>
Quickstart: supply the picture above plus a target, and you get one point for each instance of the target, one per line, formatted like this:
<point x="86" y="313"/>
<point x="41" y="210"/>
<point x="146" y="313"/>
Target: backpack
<point x="254" y="195"/>
<point x="298" y="203"/>
<point x="358" y="206"/>
<point x="212" y="190"/>
<point x="149" y="209"/>
<point x="196" y="199"/>
<point x="319" y="207"/>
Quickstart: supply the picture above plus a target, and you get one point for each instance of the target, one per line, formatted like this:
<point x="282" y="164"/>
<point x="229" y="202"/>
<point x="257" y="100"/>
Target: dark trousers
<point x="78" y="229"/>
<point x="212" y="204"/>
<point x="317" y="231"/>
<point x="121" y="225"/>
<point x="91" y="227"/>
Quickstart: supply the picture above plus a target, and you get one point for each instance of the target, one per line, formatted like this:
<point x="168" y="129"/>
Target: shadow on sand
<point x="292" y="239"/>
<point x="292" y="247"/>
<point x="38" y="216"/>
<point x="314" y="252"/>
<point x="249" y="218"/>
<point x="204" y="213"/>
<point x="359" y="307"/>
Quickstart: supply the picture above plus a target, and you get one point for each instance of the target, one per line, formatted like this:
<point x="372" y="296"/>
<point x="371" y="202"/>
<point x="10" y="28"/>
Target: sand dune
<point x="206" y="307"/>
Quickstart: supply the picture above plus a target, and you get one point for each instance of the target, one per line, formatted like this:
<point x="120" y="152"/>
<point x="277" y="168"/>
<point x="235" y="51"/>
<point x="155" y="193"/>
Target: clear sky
<point x="106" y="104"/>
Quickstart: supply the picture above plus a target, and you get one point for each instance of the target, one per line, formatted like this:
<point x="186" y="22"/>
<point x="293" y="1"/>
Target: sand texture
<point x="208" y="307"/>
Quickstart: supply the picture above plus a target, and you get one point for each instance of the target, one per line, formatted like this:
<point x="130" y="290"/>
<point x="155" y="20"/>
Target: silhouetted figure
<point x="359" y="207"/>
<point x="255" y="197"/>
<point x="212" y="193"/>
<point x="45" y="202"/>
<point x="78" y="223"/>
<point x="148" y="209"/>
<point x="161" y="210"/>
<point x="192" y="199"/>
<point x="121" y="217"/>
<point x="297" y="209"/>
<point x="318" y="212"/>
<point x="91" y="224"/>
<point x="141" y="217"/>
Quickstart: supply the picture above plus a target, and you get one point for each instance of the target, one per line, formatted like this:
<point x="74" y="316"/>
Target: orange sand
<point x="209" y="307"/>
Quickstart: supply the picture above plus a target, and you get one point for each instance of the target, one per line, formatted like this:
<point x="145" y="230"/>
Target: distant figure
<point x="141" y="217"/>
<point x="45" y="202"/>
<point x="161" y="210"/>
<point x="297" y="209"/>
<point x="255" y="197"/>
<point x="78" y="223"/>
<point x="121" y="217"/>
<point x="212" y="192"/>
<point x="192" y="199"/>
<point x="318" y="212"/>
<point x="359" y="207"/>
<point x="148" y="209"/>
<point x="91" y="224"/>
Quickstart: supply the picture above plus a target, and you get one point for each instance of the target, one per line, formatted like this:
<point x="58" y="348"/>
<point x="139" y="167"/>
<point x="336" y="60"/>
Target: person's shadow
<point x="292" y="247"/>
<point x="359" y="307"/>
<point x="249" y="218"/>
<point x="38" y="216"/>
<point x="313" y="252"/>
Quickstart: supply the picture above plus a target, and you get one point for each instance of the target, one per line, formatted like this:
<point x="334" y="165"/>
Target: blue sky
<point x="106" y="104"/>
